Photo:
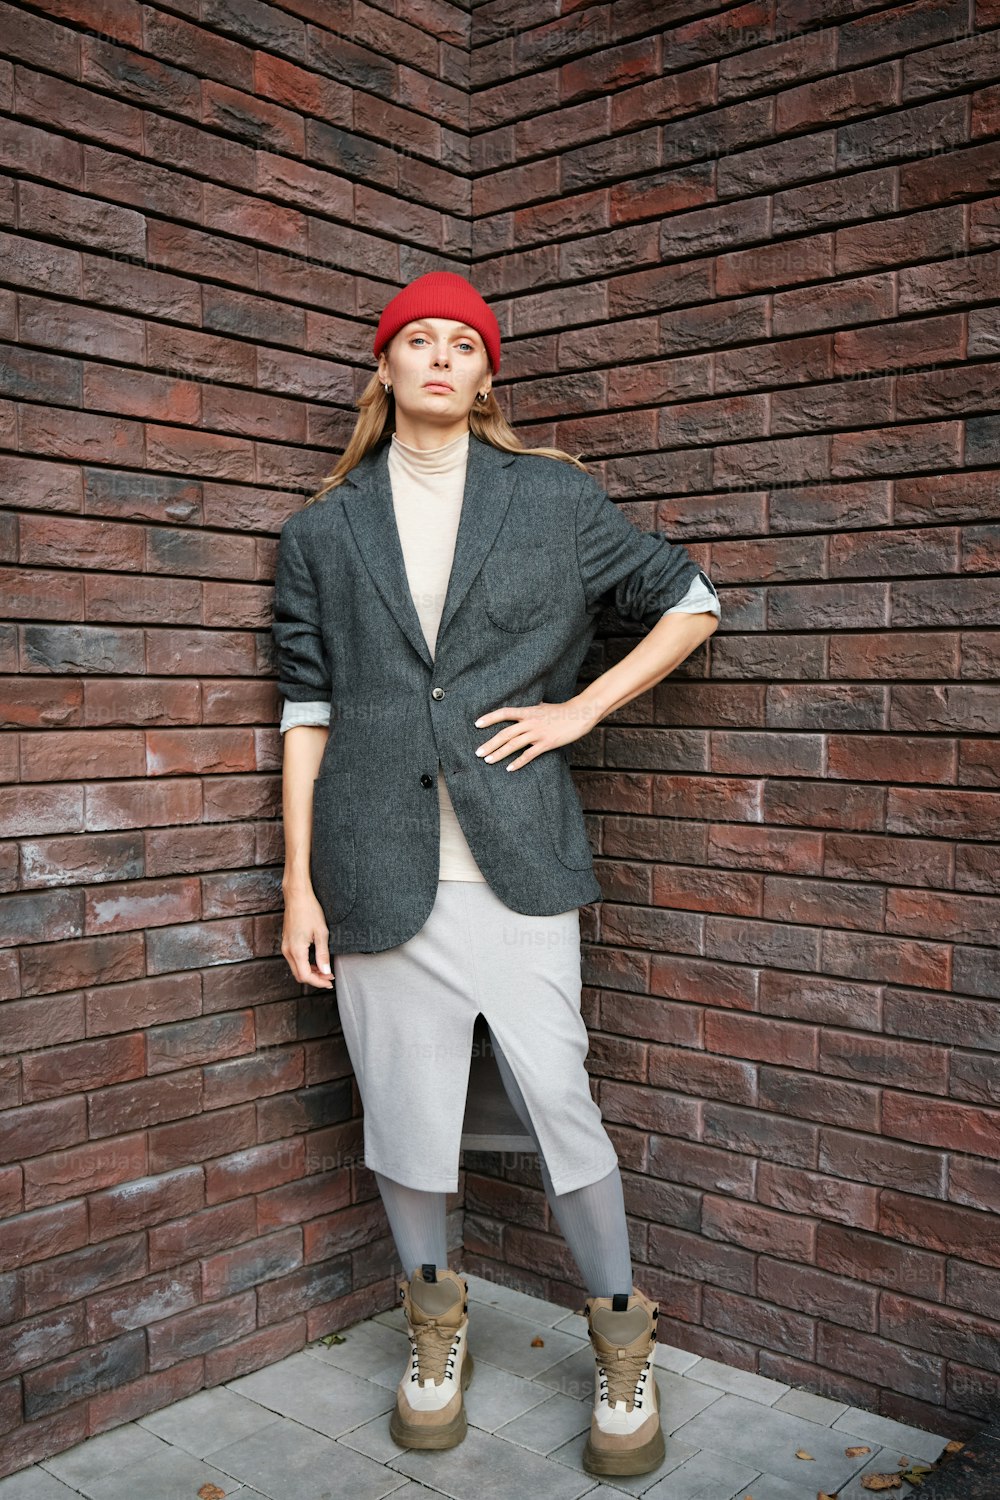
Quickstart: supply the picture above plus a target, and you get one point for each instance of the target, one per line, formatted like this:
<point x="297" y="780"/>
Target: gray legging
<point x="592" y="1218"/>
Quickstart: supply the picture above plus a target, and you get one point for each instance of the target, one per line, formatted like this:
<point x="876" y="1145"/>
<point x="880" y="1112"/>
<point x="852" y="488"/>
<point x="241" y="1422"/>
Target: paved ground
<point x="314" y="1426"/>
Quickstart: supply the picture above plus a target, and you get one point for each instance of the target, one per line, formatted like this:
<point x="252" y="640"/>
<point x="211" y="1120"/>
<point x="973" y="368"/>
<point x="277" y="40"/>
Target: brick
<point x="140" y="1302"/>
<point x="757" y="1321"/>
<point x="39" y="1234"/>
<point x="883" y="1163"/>
<point x="100" y="1368"/>
<point x="258" y="1349"/>
<point x="758" y="1228"/>
<point x="200" y="1329"/>
<point x="200" y="1233"/>
<point x="799" y="1191"/>
<point x="940" y="1122"/>
<point x="942" y="1227"/>
<point x="144" y="1201"/>
<point x="759" y="1133"/>
<point x="82" y="1170"/>
<point x="914" y="1373"/>
<point x="813" y="1291"/>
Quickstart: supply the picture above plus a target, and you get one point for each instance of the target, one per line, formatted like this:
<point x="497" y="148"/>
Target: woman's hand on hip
<point x="534" y="729"/>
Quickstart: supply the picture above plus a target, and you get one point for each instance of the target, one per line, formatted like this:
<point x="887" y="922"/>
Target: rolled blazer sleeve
<point x="303" y="673"/>
<point x="700" y="599"/>
<point x="641" y="572"/>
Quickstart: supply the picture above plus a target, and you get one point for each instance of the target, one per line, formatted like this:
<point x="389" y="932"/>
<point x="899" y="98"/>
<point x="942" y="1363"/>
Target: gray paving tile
<point x="373" y="1440"/>
<point x="487" y="1465"/>
<point x="368" y="1351"/>
<point x="35" y="1484"/>
<point x="549" y="1425"/>
<point x="164" y="1476"/>
<point x="411" y="1490"/>
<point x="285" y="1459"/>
<point x="739" y="1382"/>
<point x="669" y="1357"/>
<point x="314" y="1394"/>
<point x="746" y="1432"/>
<point x="912" y="1442"/>
<point x="814" y="1408"/>
<point x="101" y="1454"/>
<point x="574" y="1323"/>
<point x="208" y="1420"/>
<point x="769" y="1487"/>
<point x="705" y="1476"/>
<point x="495" y="1396"/>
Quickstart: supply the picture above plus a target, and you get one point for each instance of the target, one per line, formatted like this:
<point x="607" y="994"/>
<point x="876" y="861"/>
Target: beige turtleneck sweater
<point x="427" y="491"/>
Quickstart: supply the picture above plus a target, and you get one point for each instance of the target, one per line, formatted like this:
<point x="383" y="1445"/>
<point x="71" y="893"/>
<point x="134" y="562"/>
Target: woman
<point x="443" y="580"/>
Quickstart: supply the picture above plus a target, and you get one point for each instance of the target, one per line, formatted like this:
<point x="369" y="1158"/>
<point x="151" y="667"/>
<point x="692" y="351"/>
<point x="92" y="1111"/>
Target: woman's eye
<point x="419" y="338"/>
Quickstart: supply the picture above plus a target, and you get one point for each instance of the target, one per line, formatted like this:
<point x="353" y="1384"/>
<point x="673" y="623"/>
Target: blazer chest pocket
<point x="562" y="810"/>
<point x="521" y="585"/>
<point x="333" y="865"/>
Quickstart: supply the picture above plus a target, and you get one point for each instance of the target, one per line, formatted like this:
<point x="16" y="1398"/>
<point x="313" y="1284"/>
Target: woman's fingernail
<point x="479" y="723"/>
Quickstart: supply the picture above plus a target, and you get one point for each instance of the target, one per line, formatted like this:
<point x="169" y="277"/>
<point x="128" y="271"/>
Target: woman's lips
<point x="436" y="385"/>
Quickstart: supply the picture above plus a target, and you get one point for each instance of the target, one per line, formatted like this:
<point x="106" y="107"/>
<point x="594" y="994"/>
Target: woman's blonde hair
<point x="486" y="421"/>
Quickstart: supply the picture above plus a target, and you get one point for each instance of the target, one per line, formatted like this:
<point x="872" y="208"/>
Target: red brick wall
<point x="747" y="265"/>
<point x="751" y="263"/>
<point x="200" y="220"/>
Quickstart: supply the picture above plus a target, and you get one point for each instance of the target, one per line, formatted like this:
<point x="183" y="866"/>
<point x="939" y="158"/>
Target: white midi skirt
<point x="408" y="1015"/>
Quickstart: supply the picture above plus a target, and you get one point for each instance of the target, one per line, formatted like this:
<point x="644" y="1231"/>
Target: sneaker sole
<point x="628" y="1461"/>
<point x="447" y="1436"/>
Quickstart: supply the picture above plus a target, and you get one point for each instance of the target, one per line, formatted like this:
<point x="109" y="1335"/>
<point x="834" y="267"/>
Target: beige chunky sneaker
<point x="430" y="1412"/>
<point x="625" y="1433"/>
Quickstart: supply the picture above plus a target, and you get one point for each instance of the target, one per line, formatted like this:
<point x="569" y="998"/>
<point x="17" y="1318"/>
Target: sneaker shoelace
<point x="623" y="1377"/>
<point x="433" y="1348"/>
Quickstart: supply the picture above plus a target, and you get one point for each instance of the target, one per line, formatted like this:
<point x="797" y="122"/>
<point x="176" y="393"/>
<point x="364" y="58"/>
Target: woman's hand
<point x="535" y="729"/>
<point x="304" y="924"/>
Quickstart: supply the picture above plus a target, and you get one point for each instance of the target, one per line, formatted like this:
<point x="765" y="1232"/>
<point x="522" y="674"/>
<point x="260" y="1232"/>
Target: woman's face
<point x="439" y="350"/>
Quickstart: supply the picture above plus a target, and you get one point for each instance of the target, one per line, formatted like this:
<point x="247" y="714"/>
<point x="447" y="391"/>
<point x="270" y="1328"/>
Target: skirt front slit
<point x="408" y="1015"/>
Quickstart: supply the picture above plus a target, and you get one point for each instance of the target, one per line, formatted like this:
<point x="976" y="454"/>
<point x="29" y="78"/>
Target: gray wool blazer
<point x="541" y="549"/>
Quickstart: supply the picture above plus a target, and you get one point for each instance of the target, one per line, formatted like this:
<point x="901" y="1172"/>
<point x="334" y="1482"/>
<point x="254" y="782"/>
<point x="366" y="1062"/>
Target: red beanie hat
<point x="440" y="294"/>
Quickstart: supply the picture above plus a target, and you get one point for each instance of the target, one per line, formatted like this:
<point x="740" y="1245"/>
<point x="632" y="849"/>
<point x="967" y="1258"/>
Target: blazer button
<point x="437" y="692"/>
<point x="426" y="780"/>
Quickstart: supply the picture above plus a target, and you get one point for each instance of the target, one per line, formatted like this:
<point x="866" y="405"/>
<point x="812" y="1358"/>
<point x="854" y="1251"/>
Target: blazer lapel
<point x="367" y="501"/>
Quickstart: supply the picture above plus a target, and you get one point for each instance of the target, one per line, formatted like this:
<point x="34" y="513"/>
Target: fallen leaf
<point x="211" y="1492"/>
<point x="333" y="1338"/>
<point x="856" y="1452"/>
<point x="917" y="1473"/>
<point x="537" y="1343"/>
<point x="881" y="1482"/>
<point x="822" y="1495"/>
<point x="801" y="1453"/>
<point x="953" y="1446"/>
